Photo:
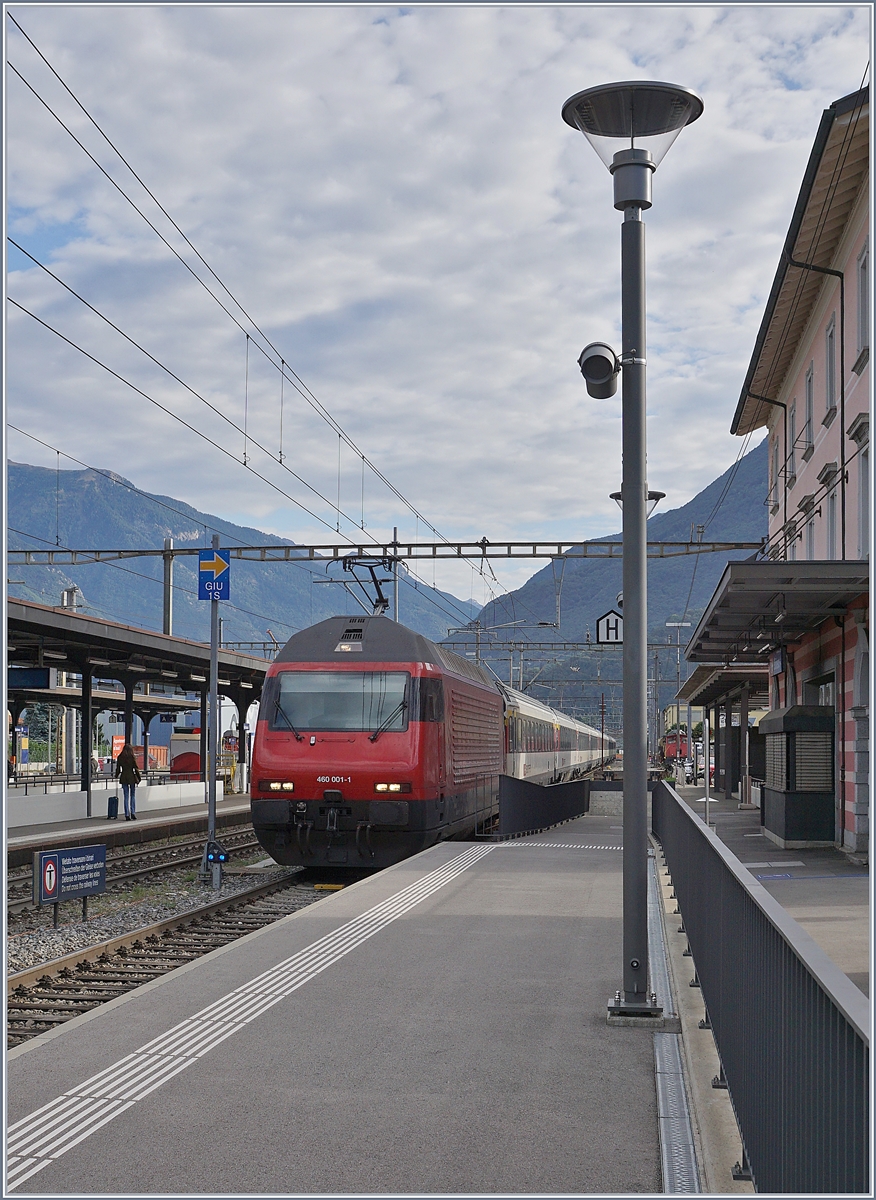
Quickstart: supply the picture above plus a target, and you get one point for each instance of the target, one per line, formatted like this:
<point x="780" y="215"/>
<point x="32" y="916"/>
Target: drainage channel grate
<point x="680" y="1173"/>
<point x="678" y="1159"/>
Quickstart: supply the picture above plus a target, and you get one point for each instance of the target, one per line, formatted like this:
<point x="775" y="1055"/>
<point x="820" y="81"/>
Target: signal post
<point x="214" y="573"/>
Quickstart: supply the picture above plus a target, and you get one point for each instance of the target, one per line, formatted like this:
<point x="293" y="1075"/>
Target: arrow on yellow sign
<point x="215" y="564"/>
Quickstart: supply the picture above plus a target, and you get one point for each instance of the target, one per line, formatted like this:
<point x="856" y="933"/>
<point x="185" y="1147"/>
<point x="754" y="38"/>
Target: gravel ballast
<point x="32" y="938"/>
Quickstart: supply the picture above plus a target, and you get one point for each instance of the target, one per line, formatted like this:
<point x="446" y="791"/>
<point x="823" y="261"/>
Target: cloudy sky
<point x="393" y="198"/>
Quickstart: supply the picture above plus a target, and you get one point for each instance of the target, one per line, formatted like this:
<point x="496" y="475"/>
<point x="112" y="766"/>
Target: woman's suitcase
<point x="112" y="808"/>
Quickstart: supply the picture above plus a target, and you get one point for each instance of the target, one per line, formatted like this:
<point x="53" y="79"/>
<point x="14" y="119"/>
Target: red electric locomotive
<point x="372" y="743"/>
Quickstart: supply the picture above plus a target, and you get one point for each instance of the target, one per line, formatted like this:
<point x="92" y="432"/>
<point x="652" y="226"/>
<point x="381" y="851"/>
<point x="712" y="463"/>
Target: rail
<point x="90" y="954"/>
<point x="790" y="1028"/>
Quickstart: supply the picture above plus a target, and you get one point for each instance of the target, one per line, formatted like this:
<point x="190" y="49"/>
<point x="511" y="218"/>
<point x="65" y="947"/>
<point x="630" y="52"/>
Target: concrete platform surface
<point x="54" y="832"/>
<point x="439" y="1027"/>
<point x="822" y="888"/>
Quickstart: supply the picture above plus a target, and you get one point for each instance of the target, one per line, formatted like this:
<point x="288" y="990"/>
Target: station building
<point x="802" y="612"/>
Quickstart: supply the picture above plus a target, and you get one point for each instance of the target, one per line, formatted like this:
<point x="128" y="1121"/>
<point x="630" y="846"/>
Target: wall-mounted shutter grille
<point x="777" y="761"/>
<point x="813" y="762"/>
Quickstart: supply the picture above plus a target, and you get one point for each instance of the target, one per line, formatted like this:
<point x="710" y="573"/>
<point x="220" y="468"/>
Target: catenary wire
<point x="218" y="412"/>
<point x="295" y="380"/>
<point x="151" y="579"/>
<point x="116" y="479"/>
<point x="113" y="479"/>
<point x="151" y="357"/>
<point x="175" y="416"/>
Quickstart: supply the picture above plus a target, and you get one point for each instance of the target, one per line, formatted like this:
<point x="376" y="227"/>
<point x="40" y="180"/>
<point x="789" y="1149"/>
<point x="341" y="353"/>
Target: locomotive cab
<point x="349" y="758"/>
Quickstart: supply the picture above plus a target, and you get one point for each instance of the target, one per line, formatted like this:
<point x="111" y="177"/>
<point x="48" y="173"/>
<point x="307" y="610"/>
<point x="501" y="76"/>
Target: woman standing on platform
<point x="128" y="773"/>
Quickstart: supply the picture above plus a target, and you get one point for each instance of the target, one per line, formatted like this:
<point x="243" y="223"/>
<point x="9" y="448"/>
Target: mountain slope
<point x="95" y="510"/>
<point x="91" y="509"/>
<point x="731" y="509"/>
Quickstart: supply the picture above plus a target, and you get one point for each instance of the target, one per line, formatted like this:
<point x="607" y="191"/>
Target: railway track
<point x="45" y="996"/>
<point x="124" y="866"/>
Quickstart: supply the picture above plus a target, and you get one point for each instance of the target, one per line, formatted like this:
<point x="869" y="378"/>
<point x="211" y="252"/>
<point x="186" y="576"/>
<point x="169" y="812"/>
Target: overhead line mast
<point x="393" y="550"/>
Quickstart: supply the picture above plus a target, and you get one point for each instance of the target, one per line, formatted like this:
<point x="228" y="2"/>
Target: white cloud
<point x="393" y="196"/>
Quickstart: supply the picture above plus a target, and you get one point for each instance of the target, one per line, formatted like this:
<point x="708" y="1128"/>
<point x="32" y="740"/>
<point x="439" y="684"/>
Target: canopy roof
<point x="710" y="682"/>
<point x="763" y="605"/>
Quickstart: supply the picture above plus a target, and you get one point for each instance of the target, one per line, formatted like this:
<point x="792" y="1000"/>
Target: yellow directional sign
<point x="217" y="564"/>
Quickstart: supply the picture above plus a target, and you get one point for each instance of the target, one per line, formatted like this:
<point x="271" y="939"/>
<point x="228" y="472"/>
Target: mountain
<point x="100" y="510"/>
<point x="92" y="509"/>
<point x="730" y="509"/>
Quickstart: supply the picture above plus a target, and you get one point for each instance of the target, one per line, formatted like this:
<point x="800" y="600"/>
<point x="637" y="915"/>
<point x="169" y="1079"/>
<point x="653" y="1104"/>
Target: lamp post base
<point x="644" y="1014"/>
<point x="641" y="1006"/>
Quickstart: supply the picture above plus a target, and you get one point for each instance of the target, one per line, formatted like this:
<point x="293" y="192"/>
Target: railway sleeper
<point x="45" y="1019"/>
<point x="157" y="961"/>
<point x="134" y="978"/>
<point x="191" y="943"/>
<point x="61" y="994"/>
<point x="59" y="1005"/>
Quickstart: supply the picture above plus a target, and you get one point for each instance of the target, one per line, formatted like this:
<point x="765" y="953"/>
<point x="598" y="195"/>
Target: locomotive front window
<point x="354" y="701"/>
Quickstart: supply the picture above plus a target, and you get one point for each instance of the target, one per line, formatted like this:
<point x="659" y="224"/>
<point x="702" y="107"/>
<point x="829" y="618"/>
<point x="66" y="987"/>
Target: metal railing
<point x="39" y="785"/>
<point x="790" y="1028"/>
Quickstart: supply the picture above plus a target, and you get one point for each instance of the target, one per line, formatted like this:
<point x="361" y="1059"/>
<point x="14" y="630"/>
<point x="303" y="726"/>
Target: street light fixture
<point x="647" y="117"/>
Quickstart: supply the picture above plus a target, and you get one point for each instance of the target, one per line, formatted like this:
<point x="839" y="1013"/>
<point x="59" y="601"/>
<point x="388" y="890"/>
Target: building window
<point x="830" y="365"/>
<point x="808" y="434"/>
<point x="792" y="438"/>
<point x="864" y="297"/>
<point x="774" y="487"/>
<point x="810" y="540"/>
<point x="831" y="525"/>
<point x="864" y="502"/>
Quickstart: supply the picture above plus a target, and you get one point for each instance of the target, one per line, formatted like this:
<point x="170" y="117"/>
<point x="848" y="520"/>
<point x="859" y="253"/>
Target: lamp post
<point x="645" y="119"/>
<point x="678" y="626"/>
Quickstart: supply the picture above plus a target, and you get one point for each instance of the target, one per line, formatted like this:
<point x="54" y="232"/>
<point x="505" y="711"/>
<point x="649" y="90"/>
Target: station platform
<point x="826" y="891"/>
<point x="439" y="1027"/>
<point x="23" y="840"/>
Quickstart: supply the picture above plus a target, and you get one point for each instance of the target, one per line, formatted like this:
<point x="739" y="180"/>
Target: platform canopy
<point x="758" y="607"/>
<point x="40" y="636"/>
<point x="711" y="682"/>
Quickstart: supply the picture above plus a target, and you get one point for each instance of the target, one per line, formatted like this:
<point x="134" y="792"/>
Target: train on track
<point x="373" y="743"/>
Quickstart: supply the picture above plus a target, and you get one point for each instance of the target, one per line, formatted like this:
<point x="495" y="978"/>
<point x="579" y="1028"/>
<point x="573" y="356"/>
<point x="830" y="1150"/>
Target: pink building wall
<point x="814" y="497"/>
<point x="808" y="507"/>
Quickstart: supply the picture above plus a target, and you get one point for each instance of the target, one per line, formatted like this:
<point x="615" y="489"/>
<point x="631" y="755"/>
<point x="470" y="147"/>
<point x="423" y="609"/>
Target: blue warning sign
<point x="60" y="875"/>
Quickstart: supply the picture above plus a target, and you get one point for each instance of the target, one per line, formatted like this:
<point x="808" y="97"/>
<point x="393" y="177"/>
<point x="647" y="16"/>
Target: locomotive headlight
<point x="392" y="787"/>
<point x="273" y="785"/>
